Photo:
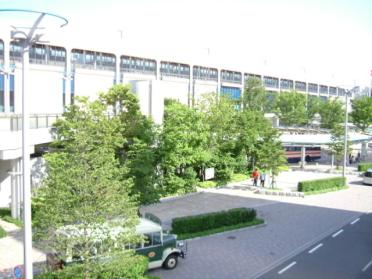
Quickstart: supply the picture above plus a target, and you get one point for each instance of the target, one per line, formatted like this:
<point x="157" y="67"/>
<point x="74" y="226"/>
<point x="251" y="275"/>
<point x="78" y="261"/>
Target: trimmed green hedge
<point x="321" y="184"/>
<point x="364" y="166"/>
<point x="123" y="267"/>
<point x="203" y="222"/>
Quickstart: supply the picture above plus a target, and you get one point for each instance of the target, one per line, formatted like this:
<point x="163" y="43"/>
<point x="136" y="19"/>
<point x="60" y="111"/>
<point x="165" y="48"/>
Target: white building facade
<point x="60" y="71"/>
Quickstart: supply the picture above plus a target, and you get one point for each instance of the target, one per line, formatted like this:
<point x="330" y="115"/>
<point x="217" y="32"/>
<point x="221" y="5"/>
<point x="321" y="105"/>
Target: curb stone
<point x="264" y="224"/>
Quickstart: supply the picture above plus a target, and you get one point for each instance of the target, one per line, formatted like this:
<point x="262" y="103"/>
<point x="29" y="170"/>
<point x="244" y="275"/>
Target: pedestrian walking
<point x="255" y="175"/>
<point x="262" y="179"/>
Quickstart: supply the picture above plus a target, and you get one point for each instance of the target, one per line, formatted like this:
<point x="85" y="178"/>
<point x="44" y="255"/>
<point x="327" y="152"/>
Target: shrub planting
<point x="119" y="268"/>
<point x="322" y="184"/>
<point x="364" y="166"/>
<point x="203" y="222"/>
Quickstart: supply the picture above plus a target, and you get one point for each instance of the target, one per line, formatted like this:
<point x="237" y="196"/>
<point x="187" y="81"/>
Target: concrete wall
<point x="5" y="182"/>
<point x="45" y="87"/>
<point x="202" y="87"/>
<point x="92" y="82"/>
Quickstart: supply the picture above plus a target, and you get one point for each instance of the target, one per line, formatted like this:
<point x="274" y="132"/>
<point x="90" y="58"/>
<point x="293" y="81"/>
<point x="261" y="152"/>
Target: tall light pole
<point x="27" y="39"/>
<point x="345" y="135"/>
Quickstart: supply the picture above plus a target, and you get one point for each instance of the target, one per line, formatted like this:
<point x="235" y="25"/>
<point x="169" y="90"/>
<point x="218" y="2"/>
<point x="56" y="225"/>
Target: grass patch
<point x="325" y="190"/>
<point x="237" y="177"/>
<point x="6" y="215"/>
<point x="207" y="184"/>
<point x="254" y="222"/>
<point x="284" y="168"/>
<point x="2" y="232"/>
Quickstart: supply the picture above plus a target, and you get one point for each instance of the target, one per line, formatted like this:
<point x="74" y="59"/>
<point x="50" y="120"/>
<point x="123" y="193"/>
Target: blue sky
<point x="314" y="40"/>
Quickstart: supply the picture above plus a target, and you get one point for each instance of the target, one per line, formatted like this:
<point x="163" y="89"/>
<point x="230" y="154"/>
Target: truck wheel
<point x="171" y="261"/>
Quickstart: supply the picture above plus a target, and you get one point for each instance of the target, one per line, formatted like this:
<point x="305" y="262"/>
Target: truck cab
<point x="162" y="249"/>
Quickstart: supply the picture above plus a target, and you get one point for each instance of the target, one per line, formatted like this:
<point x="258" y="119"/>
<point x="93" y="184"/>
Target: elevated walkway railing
<point x="13" y="122"/>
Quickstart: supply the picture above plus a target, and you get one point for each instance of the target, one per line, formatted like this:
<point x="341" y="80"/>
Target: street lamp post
<point x="345" y="135"/>
<point x="28" y="39"/>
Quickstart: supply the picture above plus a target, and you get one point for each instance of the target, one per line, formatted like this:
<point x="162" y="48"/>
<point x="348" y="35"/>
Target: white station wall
<point x="5" y="182"/>
<point x="201" y="88"/>
<point x="45" y="89"/>
<point x="91" y="82"/>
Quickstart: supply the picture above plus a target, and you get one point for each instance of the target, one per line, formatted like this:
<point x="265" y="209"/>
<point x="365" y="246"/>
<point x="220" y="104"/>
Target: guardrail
<point x="13" y="122"/>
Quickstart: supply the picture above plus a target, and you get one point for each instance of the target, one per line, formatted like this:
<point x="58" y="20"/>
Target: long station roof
<point x="321" y="139"/>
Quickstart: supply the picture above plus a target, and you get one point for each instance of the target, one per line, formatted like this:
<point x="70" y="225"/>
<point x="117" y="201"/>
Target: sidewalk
<point x="11" y="250"/>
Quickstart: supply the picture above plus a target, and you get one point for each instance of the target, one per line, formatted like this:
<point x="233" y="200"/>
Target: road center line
<point x="337" y="233"/>
<point x="316" y="248"/>
<point x="367" y="266"/>
<point x="356" y="220"/>
<point x="287" y="267"/>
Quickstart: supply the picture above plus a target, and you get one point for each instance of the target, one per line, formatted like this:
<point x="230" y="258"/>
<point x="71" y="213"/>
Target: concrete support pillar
<point x="303" y="156"/>
<point x="13" y="181"/>
<point x="67" y="78"/>
<point x="364" y="152"/>
<point x="191" y="97"/>
<point x="6" y="75"/>
<point x="16" y="189"/>
<point x="158" y="74"/>
<point x="117" y="69"/>
<point x="218" y="81"/>
<point x="19" y="189"/>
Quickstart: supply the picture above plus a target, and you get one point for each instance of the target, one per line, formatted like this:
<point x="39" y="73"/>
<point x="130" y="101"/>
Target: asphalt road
<point x="346" y="253"/>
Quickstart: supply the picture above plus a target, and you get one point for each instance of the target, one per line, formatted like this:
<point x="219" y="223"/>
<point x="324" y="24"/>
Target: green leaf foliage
<point x="291" y="108"/>
<point x="183" y="148"/>
<point x="364" y="166"/>
<point x="337" y="145"/>
<point x="84" y="186"/>
<point x="321" y="184"/>
<point x="138" y="152"/>
<point x="118" y="267"/>
<point x="254" y="96"/>
<point x="361" y="114"/>
<point x="203" y="222"/>
<point x="332" y="113"/>
<point x="260" y="142"/>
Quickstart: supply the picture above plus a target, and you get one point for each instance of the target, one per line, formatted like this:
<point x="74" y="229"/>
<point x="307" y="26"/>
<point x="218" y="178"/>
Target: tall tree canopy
<point x="332" y="113"/>
<point x="84" y="187"/>
<point x="361" y="115"/>
<point x="291" y="108"/>
<point x="183" y="147"/>
<point x="138" y="153"/>
<point x="254" y="95"/>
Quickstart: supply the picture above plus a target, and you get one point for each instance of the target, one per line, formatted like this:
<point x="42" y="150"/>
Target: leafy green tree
<point x="271" y="155"/>
<point x="271" y="98"/>
<point x="332" y="113"/>
<point x="291" y="108"/>
<point x="260" y="141"/>
<point x="254" y="96"/>
<point x="361" y="114"/>
<point x="337" y="145"/>
<point x="183" y="148"/>
<point x="313" y="107"/>
<point x="221" y="119"/>
<point x="83" y="191"/>
<point x="138" y="153"/>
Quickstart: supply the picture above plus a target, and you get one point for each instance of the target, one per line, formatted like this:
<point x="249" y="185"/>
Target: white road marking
<point x="287" y="267"/>
<point x="316" y="248"/>
<point x="356" y="220"/>
<point x="337" y="233"/>
<point x="367" y="266"/>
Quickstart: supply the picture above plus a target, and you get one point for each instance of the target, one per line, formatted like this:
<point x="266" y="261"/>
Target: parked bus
<point x="293" y="153"/>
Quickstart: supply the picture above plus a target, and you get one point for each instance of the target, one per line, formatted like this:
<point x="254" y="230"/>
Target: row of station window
<point x="54" y="55"/>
